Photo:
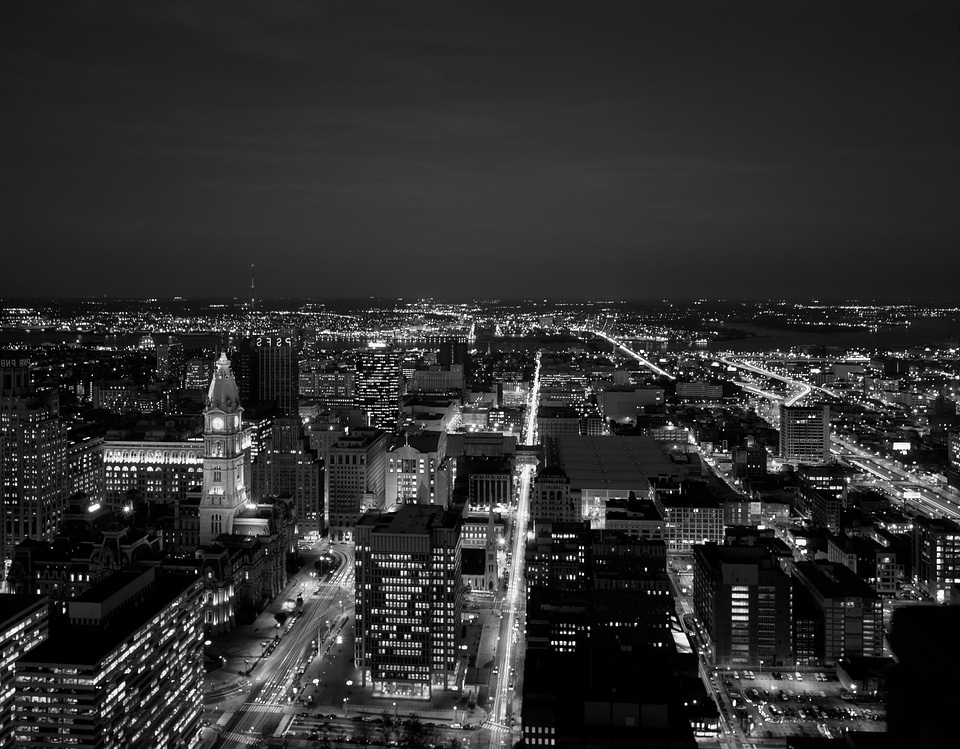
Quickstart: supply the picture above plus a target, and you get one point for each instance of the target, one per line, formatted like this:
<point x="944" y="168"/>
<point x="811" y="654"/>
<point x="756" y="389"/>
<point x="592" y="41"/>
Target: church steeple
<point x="225" y="461"/>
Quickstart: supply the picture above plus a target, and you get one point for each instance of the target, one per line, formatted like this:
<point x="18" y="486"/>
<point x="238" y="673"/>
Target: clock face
<point x="217" y="422"/>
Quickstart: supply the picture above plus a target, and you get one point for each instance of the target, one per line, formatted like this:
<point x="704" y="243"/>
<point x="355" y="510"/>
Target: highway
<point x="894" y="478"/>
<point x="806" y="387"/>
<point x="275" y="679"/>
<point x="645" y="362"/>
<point x="509" y="660"/>
<point x="899" y="481"/>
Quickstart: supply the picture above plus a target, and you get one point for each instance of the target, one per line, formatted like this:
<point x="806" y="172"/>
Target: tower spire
<point x="253" y="293"/>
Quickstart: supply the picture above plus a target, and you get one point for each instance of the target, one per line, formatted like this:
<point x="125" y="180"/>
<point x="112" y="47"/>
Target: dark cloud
<point x="589" y="148"/>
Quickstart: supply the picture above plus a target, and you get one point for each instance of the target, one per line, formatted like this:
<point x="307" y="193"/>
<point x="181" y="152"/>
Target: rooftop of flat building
<point x="612" y="462"/>
<point x="86" y="645"/>
<point x="834" y="580"/>
<point x="635" y="509"/>
<point x="410" y="520"/>
<point x="13" y="606"/>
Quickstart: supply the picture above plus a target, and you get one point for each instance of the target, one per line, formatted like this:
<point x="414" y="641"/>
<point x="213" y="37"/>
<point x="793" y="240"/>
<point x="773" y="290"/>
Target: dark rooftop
<point x="97" y="641"/>
<point x="12" y="605"/>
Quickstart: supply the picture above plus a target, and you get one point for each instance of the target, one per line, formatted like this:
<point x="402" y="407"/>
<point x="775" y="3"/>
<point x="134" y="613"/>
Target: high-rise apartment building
<point x="805" y="434"/>
<point x="33" y="458"/>
<point x="936" y="556"/>
<point x="288" y="467"/>
<point x="24" y="624"/>
<point x="409" y="600"/>
<point x="377" y="387"/>
<point x="125" y="672"/>
<point x="743" y="598"/>
<point x="354" y="478"/>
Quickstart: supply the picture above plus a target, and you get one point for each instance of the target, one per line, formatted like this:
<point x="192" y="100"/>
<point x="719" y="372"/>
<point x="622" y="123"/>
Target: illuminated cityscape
<point x="444" y="375"/>
<point x="739" y="528"/>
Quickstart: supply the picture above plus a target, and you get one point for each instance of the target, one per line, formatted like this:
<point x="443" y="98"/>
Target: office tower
<point x="125" y="672"/>
<point x="936" y="556"/>
<point x="455" y="353"/>
<point x="805" y="434"/>
<point x="551" y="500"/>
<point x="268" y="371"/>
<point x="409" y="600"/>
<point x="85" y="467"/>
<point x="288" y="467"/>
<point x="693" y="516"/>
<point x="246" y="369"/>
<point x="24" y="624"/>
<point x="278" y="370"/>
<point x="414" y="474"/>
<point x="224" y="460"/>
<point x="330" y="386"/>
<point x="354" y="478"/>
<point x="197" y="373"/>
<point x="170" y="361"/>
<point x="33" y="458"/>
<point x="743" y="598"/>
<point x="377" y="387"/>
<point x="850" y="610"/>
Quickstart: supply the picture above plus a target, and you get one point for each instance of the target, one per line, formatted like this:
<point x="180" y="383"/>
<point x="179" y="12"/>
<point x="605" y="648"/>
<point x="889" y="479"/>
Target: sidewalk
<point x="242" y="645"/>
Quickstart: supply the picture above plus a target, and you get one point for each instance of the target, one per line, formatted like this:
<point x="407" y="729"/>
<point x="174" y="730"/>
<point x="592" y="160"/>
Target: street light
<point x="346" y="706"/>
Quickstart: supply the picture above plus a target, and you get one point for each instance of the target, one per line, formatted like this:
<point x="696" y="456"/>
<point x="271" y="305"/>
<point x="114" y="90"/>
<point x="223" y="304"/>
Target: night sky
<point x="481" y="149"/>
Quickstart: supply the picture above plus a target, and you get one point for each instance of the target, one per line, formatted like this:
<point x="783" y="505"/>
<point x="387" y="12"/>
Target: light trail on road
<point x="507" y="655"/>
<point x="629" y="352"/>
<point x="929" y="500"/>
<point x="266" y="700"/>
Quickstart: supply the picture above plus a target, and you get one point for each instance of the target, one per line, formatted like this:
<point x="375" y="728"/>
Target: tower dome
<point x="223" y="394"/>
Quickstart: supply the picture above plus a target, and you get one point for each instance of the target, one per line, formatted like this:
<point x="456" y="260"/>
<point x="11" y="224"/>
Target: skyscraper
<point x="354" y="479"/>
<point x="287" y="466"/>
<point x="33" y="458"/>
<point x="409" y="600"/>
<point x="269" y="371"/>
<point x="377" y="387"/>
<point x="455" y="353"/>
<point x="805" y="434"/>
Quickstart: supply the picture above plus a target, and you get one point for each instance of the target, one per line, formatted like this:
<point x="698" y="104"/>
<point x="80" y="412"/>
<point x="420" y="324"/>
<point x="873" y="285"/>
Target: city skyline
<point x="477" y="525"/>
<point x="420" y="150"/>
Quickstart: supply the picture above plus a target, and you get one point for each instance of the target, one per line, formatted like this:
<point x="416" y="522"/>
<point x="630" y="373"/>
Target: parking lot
<point x="812" y="703"/>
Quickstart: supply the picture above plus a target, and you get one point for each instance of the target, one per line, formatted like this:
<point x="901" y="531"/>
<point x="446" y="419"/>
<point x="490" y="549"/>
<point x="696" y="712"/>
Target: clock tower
<point x="224" y="458"/>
